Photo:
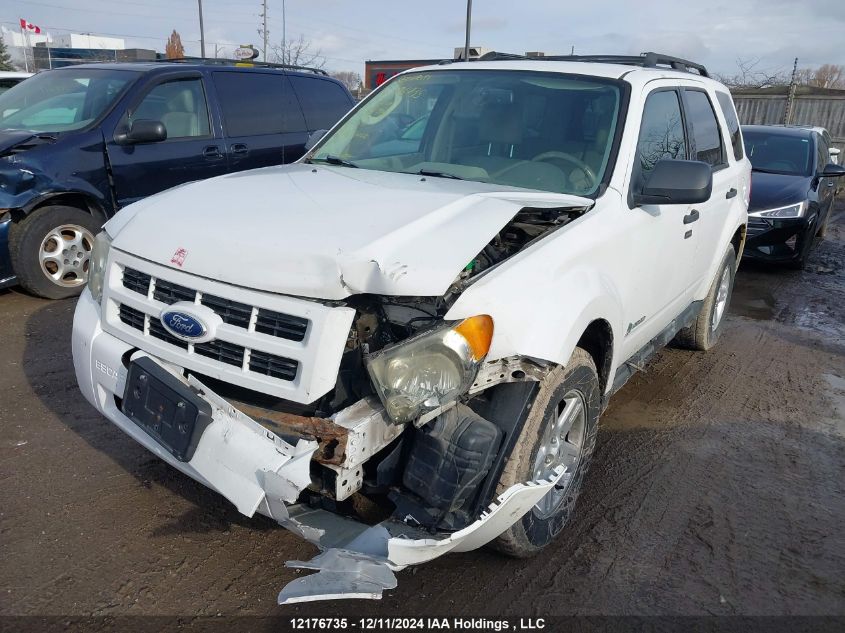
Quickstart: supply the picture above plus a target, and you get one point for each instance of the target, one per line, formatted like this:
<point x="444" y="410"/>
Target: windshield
<point x="533" y="130"/>
<point x="59" y="101"/>
<point x="775" y="153"/>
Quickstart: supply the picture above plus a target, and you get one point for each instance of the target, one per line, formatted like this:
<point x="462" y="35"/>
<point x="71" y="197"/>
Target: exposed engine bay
<point x="440" y="471"/>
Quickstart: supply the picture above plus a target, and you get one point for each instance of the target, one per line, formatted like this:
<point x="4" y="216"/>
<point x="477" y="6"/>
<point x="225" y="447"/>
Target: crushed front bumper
<point x="260" y="472"/>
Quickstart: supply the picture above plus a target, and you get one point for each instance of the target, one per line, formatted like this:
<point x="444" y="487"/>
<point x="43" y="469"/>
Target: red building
<point x="377" y="72"/>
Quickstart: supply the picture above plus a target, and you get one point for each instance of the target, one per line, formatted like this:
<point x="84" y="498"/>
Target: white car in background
<point x="429" y="331"/>
<point x="10" y="78"/>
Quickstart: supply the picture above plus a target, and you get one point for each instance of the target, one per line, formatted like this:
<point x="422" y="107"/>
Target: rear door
<point x="262" y="119"/>
<point x="193" y="149"/>
<point x="707" y="144"/>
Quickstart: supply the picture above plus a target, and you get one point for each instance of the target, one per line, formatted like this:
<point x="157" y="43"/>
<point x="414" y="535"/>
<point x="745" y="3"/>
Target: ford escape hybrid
<point x="426" y="314"/>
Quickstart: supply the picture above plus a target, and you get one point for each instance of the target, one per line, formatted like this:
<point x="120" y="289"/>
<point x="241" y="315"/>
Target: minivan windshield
<point x="535" y="130"/>
<point x="774" y="153"/>
<point x="61" y="100"/>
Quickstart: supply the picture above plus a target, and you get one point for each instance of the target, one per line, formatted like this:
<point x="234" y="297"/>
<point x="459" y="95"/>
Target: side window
<point x="180" y="105"/>
<point x="256" y="103"/>
<point x="728" y="110"/>
<point x="823" y="152"/>
<point x="661" y="134"/>
<point x="706" y="138"/>
<point x="323" y="102"/>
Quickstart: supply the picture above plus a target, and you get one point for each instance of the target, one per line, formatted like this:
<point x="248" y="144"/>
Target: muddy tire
<point x="51" y="249"/>
<point x="563" y="417"/>
<point x="705" y="331"/>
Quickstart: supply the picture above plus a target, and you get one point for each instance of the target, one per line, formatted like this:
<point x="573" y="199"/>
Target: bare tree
<point x="174" y="49"/>
<point x="828" y="76"/>
<point x="348" y="78"/>
<point x="296" y="53"/>
<point x="750" y="75"/>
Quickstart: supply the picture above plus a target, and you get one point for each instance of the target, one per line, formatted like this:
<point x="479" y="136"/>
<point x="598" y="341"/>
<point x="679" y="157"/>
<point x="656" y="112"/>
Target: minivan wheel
<point x="51" y="250"/>
<point x="705" y="330"/>
<point x="560" y="431"/>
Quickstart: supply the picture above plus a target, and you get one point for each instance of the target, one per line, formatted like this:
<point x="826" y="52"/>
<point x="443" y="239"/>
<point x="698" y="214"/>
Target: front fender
<point x="542" y="311"/>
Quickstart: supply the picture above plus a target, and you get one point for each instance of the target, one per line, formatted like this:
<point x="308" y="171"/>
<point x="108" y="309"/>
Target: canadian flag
<point x="29" y="26"/>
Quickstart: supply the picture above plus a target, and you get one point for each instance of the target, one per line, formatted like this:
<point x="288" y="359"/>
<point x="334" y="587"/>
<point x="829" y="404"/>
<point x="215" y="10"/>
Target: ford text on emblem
<point x="183" y="325"/>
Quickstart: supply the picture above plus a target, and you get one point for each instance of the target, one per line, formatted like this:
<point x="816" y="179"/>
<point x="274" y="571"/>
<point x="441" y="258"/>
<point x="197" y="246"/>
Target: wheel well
<point x="738" y="241"/>
<point x="597" y="341"/>
<point x="77" y="200"/>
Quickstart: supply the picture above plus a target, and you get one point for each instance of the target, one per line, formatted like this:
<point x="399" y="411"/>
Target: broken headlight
<point x="431" y="369"/>
<point x="97" y="267"/>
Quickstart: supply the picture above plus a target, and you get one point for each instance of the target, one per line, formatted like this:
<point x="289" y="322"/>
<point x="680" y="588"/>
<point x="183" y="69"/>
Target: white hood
<point x="324" y="232"/>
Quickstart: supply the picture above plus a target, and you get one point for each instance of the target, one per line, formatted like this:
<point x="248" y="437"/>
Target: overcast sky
<point x="715" y="32"/>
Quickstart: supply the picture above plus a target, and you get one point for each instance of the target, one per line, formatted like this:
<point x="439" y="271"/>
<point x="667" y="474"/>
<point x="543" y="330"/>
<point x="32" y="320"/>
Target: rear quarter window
<point x="729" y="111"/>
<point x="323" y="102"/>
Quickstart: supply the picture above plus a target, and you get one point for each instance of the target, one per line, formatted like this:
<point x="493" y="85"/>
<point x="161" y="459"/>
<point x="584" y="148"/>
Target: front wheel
<point x="51" y="250"/>
<point x="560" y="431"/>
<point x="708" y="325"/>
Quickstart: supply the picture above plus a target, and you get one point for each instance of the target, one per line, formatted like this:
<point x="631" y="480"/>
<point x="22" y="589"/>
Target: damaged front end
<point x="397" y="464"/>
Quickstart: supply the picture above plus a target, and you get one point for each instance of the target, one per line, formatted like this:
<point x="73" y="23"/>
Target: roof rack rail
<point x="647" y="60"/>
<point x="216" y="61"/>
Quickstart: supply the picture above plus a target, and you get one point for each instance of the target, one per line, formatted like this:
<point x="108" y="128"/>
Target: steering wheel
<point x="553" y="156"/>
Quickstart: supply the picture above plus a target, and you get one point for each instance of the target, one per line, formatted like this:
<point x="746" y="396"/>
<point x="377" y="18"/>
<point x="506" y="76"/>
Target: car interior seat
<point x="181" y="118"/>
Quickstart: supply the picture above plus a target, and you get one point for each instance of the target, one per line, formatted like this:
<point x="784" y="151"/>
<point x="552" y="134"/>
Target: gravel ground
<point x="716" y="488"/>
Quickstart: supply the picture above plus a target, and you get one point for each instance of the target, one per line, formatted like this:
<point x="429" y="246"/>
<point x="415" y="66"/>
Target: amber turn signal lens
<point x="478" y="332"/>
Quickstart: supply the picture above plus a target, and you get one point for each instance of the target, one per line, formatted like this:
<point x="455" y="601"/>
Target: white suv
<point x="426" y="315"/>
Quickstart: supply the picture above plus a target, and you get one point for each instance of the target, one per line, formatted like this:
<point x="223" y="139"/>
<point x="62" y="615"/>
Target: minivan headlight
<point x="790" y="211"/>
<point x="97" y="265"/>
<point x="431" y="369"/>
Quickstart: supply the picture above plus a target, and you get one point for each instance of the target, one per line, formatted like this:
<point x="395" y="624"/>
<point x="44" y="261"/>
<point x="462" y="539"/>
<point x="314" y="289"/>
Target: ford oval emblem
<point x="183" y="325"/>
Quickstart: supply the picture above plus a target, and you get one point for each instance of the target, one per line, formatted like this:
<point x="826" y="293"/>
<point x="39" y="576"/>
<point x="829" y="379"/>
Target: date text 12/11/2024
<point x="420" y="624"/>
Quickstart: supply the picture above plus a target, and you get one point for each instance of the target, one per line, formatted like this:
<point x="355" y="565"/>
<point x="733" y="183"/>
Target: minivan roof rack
<point x="646" y="60"/>
<point x="216" y="61"/>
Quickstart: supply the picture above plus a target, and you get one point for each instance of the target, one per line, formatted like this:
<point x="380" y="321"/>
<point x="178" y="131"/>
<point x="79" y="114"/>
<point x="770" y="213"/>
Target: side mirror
<point x="314" y="138"/>
<point x="832" y="170"/>
<point x="143" y="131"/>
<point x="677" y="182"/>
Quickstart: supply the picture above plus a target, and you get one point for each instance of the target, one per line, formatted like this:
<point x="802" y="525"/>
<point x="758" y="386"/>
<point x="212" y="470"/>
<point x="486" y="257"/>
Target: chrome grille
<point x="284" y="346"/>
<point x="234" y="313"/>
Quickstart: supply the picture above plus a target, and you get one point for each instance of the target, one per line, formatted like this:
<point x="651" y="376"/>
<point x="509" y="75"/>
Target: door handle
<point x="240" y="149"/>
<point x="691" y="217"/>
<point x="212" y="151"/>
<point x="731" y="193"/>
<point x="830" y="183"/>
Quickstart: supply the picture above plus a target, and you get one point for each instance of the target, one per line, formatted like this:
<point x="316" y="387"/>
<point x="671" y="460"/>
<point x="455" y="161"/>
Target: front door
<point x="662" y="239"/>
<point x="193" y="150"/>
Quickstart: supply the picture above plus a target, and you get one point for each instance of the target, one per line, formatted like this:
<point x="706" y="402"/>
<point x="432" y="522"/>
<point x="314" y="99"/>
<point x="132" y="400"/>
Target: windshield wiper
<point x="333" y="160"/>
<point x="768" y="171"/>
<point x="433" y="174"/>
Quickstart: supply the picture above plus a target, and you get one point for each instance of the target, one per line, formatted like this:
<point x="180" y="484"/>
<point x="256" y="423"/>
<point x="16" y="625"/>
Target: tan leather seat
<point x="181" y="119"/>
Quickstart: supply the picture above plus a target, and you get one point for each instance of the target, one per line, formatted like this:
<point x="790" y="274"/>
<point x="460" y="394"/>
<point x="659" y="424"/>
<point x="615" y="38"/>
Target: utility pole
<point x="469" y="24"/>
<point x="202" y="32"/>
<point x="264" y="30"/>
<point x="790" y="99"/>
<point x="284" y="35"/>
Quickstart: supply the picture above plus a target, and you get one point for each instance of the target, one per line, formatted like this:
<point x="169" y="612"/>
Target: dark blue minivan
<point x="81" y="142"/>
